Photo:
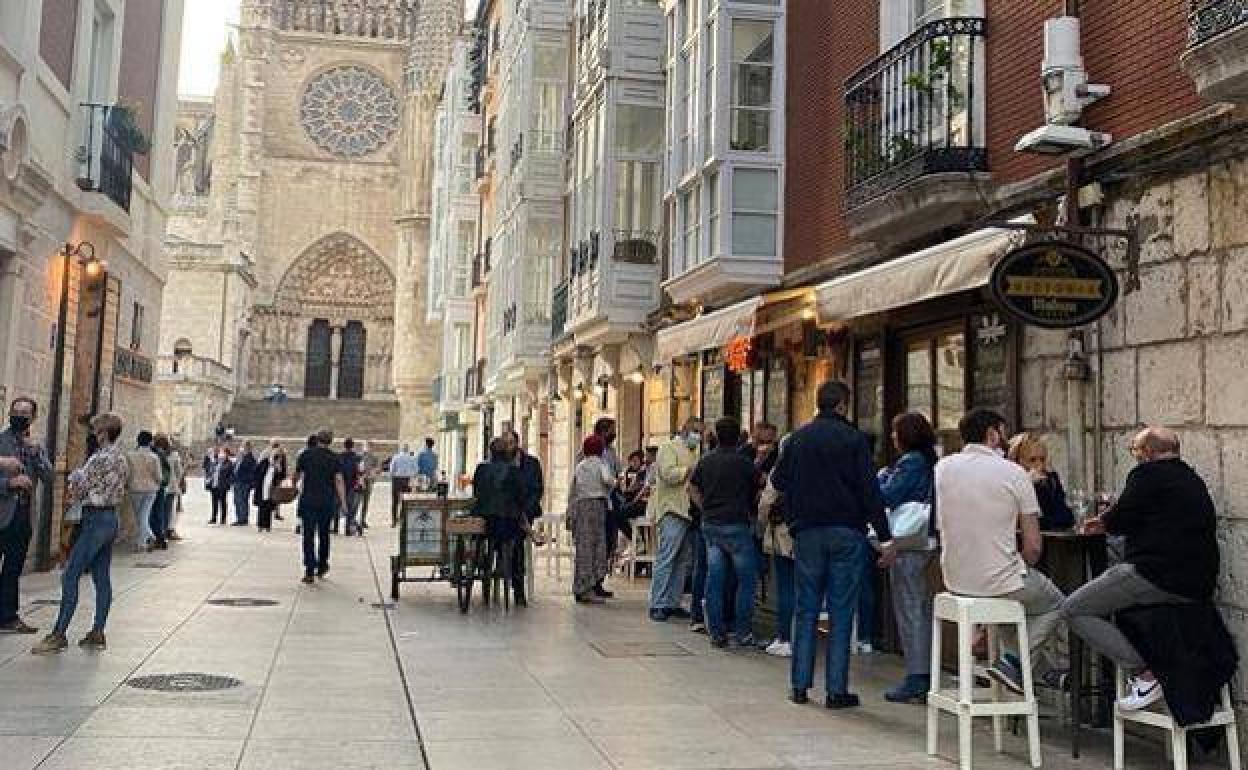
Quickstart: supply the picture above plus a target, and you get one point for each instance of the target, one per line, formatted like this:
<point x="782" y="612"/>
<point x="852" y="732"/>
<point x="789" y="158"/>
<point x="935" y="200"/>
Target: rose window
<point x="349" y="112"/>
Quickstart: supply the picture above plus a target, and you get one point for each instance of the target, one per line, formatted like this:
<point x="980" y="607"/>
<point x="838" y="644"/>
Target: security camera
<point x="1063" y="140"/>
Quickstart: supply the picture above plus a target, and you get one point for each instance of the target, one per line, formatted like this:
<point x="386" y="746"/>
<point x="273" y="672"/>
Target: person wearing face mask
<point x="984" y="501"/>
<point x="23" y="463"/>
<point x="99" y="485"/>
<point x="669" y="509"/>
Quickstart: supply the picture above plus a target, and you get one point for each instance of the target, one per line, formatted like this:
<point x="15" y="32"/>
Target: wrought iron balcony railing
<point x="917" y="110"/>
<point x="639" y="246"/>
<point x="1209" y="18"/>
<point x="105" y="163"/>
<point x="559" y="311"/>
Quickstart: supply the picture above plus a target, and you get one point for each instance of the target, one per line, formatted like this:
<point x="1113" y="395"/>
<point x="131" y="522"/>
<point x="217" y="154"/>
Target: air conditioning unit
<point x="1066" y="88"/>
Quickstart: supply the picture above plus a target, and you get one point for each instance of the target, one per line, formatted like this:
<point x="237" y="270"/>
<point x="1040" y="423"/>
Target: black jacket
<point x="828" y="479"/>
<point x="499" y="494"/>
<point x="530" y="470"/>
<point x="1189" y="649"/>
<point x="245" y="472"/>
<point x="1055" y="514"/>
<point x="1170" y="525"/>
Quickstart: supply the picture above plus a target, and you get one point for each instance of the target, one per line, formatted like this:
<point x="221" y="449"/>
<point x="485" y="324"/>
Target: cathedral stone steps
<point x="374" y="421"/>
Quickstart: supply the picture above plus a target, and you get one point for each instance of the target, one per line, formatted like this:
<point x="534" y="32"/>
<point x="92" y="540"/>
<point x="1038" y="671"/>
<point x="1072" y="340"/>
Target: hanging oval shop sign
<point x="1054" y="284"/>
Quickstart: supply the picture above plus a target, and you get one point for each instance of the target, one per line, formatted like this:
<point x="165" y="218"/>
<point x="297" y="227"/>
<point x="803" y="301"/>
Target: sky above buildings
<point x="205" y="29"/>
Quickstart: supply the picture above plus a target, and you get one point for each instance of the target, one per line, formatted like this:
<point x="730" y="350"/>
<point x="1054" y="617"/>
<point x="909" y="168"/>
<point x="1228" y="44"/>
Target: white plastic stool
<point x="967" y="612"/>
<point x="1223" y="716"/>
<point x="645" y="541"/>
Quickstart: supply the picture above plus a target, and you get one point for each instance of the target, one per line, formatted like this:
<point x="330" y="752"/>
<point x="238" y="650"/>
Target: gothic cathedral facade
<point x="299" y="234"/>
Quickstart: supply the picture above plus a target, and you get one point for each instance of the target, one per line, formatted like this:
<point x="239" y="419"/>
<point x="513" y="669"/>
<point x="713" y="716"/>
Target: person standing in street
<point x="145" y="477"/>
<point x="100" y="486"/>
<point x="983" y="502"/>
<point x="23" y="463"/>
<point x="178" y="468"/>
<point x="271" y="472"/>
<point x="163" y="504"/>
<point x="244" y="482"/>
<point x="499" y="497"/>
<point x="532" y="486"/>
<point x="219" y="481"/>
<point x="827" y="478"/>
<point x="592" y="484"/>
<point x="402" y="470"/>
<point x="722" y="486"/>
<point x="427" y="463"/>
<point x="322" y="491"/>
<point x="349" y="466"/>
<point x="370" y="468"/>
<point x="669" y="510"/>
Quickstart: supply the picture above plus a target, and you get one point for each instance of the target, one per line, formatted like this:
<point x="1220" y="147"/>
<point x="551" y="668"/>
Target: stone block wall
<point x="1173" y="352"/>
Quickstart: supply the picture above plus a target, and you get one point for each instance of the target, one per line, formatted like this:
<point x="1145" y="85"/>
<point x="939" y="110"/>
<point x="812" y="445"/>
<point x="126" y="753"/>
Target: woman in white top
<point x="592" y="482"/>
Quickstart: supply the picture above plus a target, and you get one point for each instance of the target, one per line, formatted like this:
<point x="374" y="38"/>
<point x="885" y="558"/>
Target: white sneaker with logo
<point x="1140" y="695"/>
<point x="780" y="649"/>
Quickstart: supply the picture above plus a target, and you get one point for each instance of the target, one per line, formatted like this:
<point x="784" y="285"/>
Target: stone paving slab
<point x="320" y="683"/>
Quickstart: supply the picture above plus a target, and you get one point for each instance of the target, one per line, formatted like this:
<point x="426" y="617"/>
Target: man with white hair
<point x="1169" y="523"/>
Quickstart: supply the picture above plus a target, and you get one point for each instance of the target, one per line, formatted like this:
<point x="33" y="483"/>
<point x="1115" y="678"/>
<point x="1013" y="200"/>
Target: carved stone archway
<point x="337" y="282"/>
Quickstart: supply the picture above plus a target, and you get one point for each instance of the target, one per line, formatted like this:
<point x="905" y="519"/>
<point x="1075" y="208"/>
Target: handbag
<point x="284" y="492"/>
<point x="909" y="524"/>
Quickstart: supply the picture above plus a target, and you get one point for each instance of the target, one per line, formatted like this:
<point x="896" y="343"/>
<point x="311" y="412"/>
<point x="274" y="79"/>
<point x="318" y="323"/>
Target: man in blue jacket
<point x="828" y="482"/>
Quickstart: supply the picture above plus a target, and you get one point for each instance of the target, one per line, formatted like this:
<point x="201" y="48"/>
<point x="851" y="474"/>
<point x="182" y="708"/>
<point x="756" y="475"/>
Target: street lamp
<point x="93" y="269"/>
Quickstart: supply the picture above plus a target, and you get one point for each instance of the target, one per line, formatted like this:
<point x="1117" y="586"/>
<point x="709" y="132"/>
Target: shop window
<point x="754" y="197"/>
<point x="752" y="56"/>
<point x="934" y="382"/>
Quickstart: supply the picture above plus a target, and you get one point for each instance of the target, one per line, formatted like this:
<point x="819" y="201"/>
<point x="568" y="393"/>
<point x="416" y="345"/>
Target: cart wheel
<point x="462" y="574"/>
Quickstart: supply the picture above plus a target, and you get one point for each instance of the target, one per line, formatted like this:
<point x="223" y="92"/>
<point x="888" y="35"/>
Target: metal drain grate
<point x="186" y="682"/>
<point x="383" y="605"/>
<point x="46" y="603"/>
<point x="149" y="565"/>
<point x="244" y="601"/>
<point x="639" y="649"/>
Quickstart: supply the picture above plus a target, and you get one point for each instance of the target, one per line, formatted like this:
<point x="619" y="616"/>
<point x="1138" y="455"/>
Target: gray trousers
<point x="912" y="604"/>
<point x="1042" y="604"/>
<point x="1090" y="611"/>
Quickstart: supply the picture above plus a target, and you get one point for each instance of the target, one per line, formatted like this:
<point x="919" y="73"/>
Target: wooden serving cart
<point x="440" y="535"/>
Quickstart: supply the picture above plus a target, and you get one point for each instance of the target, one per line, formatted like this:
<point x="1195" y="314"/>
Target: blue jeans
<point x="782" y="568"/>
<point x="697" y="602"/>
<point x="725" y="542"/>
<point x="315" y="532"/>
<point x="141" y="504"/>
<point x="242" y="502"/>
<point x="671" y="563"/>
<point x="828" y="568"/>
<point x="159" y="518"/>
<point x="94" y="549"/>
<point x="866" y="598"/>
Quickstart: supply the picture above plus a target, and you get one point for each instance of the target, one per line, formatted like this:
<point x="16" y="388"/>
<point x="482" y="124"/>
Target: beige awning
<point x="711" y="330"/>
<point x="957" y="265"/>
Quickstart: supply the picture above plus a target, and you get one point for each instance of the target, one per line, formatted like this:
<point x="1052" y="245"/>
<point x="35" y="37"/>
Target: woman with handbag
<point x="778" y="543"/>
<point x="907" y="488"/>
<point x="592" y="483"/>
<point x="271" y="471"/>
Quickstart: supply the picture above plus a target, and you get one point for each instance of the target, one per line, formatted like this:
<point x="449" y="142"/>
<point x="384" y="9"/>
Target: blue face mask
<point x="692" y="440"/>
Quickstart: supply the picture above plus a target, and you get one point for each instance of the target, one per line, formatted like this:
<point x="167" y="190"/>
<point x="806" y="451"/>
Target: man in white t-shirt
<point x="983" y="501"/>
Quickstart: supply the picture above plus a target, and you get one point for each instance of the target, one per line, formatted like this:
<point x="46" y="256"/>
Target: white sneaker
<point x="780" y="649"/>
<point x="1140" y="695"/>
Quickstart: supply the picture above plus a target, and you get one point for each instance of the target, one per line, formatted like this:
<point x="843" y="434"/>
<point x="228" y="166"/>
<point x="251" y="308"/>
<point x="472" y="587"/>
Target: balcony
<point x="106" y="158"/>
<point x="1216" y="58"/>
<point x="559" y="311"/>
<point x="915" y="157"/>
<point x="612" y="285"/>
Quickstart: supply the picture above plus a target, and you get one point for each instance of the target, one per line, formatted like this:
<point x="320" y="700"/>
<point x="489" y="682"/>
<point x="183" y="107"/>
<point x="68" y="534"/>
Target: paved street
<point x="554" y="686"/>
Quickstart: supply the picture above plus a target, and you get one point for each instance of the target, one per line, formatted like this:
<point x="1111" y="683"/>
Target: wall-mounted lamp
<point x="637" y="378"/>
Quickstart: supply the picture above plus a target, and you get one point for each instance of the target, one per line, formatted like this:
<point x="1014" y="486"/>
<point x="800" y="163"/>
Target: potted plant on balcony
<point x="123" y="124"/>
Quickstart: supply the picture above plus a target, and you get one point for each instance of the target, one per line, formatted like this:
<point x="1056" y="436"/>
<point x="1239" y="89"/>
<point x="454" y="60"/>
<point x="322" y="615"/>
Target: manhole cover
<point x="46" y="603"/>
<point x="383" y="605"/>
<point x="242" y="602"/>
<point x="639" y="649"/>
<point x="183" y="682"/>
<point x="149" y="565"/>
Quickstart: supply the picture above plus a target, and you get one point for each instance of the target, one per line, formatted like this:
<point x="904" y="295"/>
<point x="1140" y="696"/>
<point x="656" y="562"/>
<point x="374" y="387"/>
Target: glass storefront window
<point x="935" y="382"/>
